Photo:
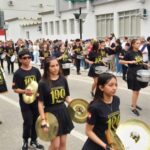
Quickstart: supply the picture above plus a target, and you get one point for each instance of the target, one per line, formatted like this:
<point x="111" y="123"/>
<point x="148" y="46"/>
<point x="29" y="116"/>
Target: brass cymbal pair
<point x="134" y="134"/>
<point x="52" y="127"/>
<point x="78" y="110"/>
<point x="33" y="86"/>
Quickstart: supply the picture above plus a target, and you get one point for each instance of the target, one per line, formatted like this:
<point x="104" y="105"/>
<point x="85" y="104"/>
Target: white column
<point x="89" y="6"/>
<point x="116" y="24"/>
<point x="70" y="5"/>
<point x="57" y="9"/>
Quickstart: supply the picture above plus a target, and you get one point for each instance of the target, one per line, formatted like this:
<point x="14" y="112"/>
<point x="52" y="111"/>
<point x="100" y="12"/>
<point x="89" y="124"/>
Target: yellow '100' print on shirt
<point x="98" y="60"/>
<point x="57" y="95"/>
<point x="113" y="121"/>
<point x="28" y="79"/>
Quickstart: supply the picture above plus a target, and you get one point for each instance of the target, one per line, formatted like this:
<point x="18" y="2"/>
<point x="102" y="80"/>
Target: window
<point x="27" y="34"/>
<point x="72" y="27"/>
<point x="46" y="28"/>
<point x="57" y="28"/>
<point x="51" y="24"/>
<point x="129" y="23"/>
<point x="64" y="26"/>
<point x="104" y="25"/>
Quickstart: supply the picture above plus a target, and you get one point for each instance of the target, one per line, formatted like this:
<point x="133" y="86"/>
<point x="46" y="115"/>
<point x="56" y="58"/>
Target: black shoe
<point x="92" y="94"/>
<point x="138" y="107"/>
<point x="35" y="144"/>
<point x="25" y="146"/>
<point x="78" y="73"/>
<point x="0" y="122"/>
<point x="136" y="112"/>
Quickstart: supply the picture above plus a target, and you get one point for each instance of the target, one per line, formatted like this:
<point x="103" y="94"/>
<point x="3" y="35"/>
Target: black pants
<point x="2" y="60"/>
<point x="30" y="115"/>
<point x="124" y="71"/>
<point x="10" y="64"/>
<point x="77" y="61"/>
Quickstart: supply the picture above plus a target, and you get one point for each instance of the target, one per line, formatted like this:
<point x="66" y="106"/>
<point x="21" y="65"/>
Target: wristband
<point x="107" y="147"/>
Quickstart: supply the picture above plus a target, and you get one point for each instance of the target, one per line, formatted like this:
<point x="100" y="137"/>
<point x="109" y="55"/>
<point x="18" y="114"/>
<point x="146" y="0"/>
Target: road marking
<point x="74" y="133"/>
<point x="89" y="81"/>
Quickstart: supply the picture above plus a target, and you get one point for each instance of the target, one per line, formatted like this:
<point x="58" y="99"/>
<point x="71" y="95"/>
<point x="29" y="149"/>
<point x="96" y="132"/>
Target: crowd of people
<point x="121" y="58"/>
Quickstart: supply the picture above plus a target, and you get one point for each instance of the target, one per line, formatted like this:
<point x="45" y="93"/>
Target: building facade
<point x="96" y="18"/>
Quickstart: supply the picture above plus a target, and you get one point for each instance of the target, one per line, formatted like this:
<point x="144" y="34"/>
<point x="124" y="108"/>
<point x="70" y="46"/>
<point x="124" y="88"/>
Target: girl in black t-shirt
<point x="53" y="92"/>
<point x="135" y="62"/>
<point x="103" y="113"/>
<point x="94" y="58"/>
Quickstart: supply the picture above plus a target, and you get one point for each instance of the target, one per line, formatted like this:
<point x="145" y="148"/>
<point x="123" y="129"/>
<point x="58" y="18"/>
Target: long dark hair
<point x="103" y="79"/>
<point x="47" y="63"/>
<point x="133" y="41"/>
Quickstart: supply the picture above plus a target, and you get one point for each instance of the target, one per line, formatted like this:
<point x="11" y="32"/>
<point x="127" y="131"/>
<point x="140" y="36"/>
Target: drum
<point x="143" y="75"/>
<point x="66" y="66"/>
<point x="80" y="57"/>
<point x="13" y="58"/>
<point x="3" y="56"/>
<point x="100" y="69"/>
<point x="106" y="59"/>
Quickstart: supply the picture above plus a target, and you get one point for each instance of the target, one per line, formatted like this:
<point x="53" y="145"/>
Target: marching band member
<point x="94" y="58"/>
<point x="63" y="58"/>
<point x="103" y="113"/>
<point x="10" y="51"/>
<point x="22" y="77"/>
<point x="53" y="92"/>
<point x="44" y="53"/>
<point x="2" y="51"/>
<point x="135" y="62"/>
<point x="77" y="49"/>
<point x="3" y="86"/>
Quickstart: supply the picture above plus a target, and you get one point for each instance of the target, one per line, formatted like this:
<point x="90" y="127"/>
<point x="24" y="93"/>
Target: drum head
<point x="3" y="56"/>
<point x="13" y="57"/>
<point x="100" y="69"/>
<point x="66" y="66"/>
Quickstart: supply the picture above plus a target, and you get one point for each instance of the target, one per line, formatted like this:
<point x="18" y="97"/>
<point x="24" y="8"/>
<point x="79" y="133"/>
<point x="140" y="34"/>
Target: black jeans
<point x="30" y="115"/>
<point x="77" y="61"/>
<point x="10" y="64"/>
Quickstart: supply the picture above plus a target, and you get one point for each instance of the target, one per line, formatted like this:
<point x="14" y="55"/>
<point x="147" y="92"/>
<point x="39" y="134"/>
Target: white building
<point x="18" y="12"/>
<point x="123" y="17"/>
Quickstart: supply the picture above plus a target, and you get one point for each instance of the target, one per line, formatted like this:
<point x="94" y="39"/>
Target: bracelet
<point x="107" y="147"/>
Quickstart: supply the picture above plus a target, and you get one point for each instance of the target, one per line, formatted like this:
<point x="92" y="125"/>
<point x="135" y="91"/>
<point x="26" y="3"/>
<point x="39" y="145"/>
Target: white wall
<point x="33" y="32"/>
<point x="13" y="31"/>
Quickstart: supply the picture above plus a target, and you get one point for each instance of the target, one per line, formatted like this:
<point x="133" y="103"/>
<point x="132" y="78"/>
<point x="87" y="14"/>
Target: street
<point x="11" y="128"/>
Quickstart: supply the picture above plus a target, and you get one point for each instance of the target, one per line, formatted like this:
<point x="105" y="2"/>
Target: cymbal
<point x="52" y="124"/>
<point x="78" y="110"/>
<point x="134" y="134"/>
<point x="33" y="86"/>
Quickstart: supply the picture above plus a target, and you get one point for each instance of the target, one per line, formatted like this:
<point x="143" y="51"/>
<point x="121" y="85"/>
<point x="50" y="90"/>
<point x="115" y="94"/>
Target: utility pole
<point x="80" y="23"/>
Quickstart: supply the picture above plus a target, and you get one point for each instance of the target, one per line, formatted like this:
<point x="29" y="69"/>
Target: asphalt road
<point x="11" y="128"/>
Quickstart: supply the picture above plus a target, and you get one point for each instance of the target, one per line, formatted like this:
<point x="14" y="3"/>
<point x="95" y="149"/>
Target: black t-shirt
<point x="137" y="56"/>
<point x="44" y="54"/>
<point x="104" y="116"/>
<point x="96" y="57"/>
<point x="77" y="49"/>
<point x="1" y="50"/>
<point x="22" y="78"/>
<point x="10" y="51"/>
<point x="53" y="92"/>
